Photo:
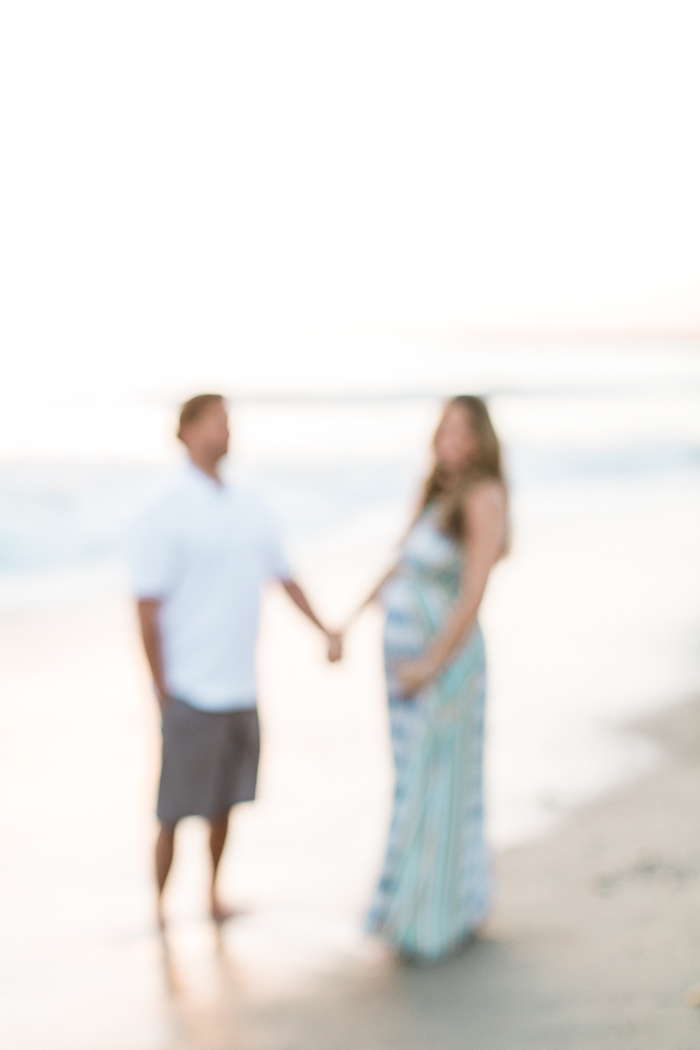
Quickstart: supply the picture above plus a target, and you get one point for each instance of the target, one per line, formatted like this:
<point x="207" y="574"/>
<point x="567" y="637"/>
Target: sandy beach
<point x="592" y="942"/>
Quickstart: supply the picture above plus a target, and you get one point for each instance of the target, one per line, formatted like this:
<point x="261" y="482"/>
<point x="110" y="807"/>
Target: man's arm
<point x="149" y="609"/>
<point x="335" y="641"/>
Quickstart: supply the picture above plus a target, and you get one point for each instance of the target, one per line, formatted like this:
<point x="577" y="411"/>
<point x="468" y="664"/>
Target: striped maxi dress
<point x="434" y="887"/>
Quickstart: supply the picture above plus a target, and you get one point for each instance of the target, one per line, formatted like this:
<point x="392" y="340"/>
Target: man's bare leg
<point x="165" y="847"/>
<point x="218" y="829"/>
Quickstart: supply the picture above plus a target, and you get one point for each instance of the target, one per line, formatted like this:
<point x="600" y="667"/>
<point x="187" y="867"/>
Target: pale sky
<point x="216" y="193"/>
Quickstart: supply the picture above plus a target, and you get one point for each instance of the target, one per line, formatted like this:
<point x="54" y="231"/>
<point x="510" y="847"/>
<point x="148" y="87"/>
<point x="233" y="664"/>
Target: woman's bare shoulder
<point x="487" y="496"/>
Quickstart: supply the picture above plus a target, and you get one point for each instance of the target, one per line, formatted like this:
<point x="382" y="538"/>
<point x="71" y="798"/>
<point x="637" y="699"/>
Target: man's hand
<point x="335" y="647"/>
<point x="334" y="639"/>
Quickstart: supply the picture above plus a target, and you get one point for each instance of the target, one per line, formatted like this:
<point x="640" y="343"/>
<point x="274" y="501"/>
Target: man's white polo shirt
<point x="205" y="550"/>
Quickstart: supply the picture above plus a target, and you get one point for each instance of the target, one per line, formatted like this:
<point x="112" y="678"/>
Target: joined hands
<point x="335" y="646"/>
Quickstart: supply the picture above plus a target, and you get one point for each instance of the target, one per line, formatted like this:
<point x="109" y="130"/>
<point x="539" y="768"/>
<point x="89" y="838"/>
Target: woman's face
<point x="455" y="441"/>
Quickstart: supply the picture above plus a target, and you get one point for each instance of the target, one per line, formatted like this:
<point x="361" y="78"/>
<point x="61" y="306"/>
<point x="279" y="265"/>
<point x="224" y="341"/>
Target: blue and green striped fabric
<point x="434" y="887"/>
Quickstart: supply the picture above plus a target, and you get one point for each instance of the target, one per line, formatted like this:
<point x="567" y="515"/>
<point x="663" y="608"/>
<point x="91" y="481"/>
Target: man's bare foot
<point x="220" y="913"/>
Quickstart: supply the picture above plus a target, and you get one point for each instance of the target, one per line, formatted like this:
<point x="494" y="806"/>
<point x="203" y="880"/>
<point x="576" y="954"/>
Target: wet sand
<point x="593" y="939"/>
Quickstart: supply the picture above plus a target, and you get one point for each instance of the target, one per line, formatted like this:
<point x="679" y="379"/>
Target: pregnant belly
<point x="404" y="636"/>
<point x="415" y="611"/>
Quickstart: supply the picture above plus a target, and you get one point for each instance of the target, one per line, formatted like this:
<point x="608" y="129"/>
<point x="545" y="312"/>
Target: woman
<point x="434" y="888"/>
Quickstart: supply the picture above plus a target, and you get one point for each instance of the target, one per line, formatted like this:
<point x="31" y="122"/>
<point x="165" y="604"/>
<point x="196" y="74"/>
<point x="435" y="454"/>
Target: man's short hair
<point x="195" y="407"/>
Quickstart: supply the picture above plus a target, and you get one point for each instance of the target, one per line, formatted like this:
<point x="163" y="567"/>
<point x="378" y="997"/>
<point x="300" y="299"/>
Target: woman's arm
<point x="485" y="518"/>
<point x="370" y="597"/>
<point x="385" y="578"/>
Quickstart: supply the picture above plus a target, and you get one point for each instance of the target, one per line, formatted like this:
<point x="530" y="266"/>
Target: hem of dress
<point x="374" y="927"/>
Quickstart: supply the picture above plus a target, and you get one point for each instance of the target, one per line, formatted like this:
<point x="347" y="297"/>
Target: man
<point x="200" y="557"/>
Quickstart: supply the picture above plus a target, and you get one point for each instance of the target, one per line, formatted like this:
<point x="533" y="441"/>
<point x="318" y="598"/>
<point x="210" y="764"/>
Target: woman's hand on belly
<point x="414" y="675"/>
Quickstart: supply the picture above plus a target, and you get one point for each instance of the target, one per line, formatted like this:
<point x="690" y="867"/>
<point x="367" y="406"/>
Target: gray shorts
<point x="210" y="761"/>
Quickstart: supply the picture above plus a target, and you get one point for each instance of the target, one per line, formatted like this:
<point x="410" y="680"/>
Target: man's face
<point x="209" y="435"/>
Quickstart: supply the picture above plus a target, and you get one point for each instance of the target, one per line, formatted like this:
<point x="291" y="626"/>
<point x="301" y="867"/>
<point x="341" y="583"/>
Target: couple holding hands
<point x="200" y="557"/>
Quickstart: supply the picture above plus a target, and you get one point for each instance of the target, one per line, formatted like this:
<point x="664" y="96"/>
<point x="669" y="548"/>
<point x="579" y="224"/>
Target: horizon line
<point x="575" y="333"/>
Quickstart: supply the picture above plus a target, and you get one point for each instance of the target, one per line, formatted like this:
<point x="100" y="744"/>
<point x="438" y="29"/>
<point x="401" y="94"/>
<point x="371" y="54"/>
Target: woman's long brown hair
<point x="486" y="464"/>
